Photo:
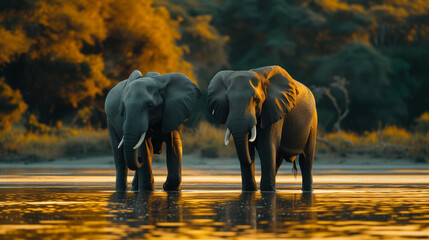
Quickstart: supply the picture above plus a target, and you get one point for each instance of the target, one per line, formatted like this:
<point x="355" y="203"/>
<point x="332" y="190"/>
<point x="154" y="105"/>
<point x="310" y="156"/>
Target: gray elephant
<point x="142" y="114"/>
<point x="278" y="112"/>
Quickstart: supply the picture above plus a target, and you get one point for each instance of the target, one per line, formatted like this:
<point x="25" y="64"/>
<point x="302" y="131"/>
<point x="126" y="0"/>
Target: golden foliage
<point x="146" y="36"/>
<point x="424" y="117"/>
<point x="55" y="143"/>
<point x="90" y="44"/>
<point x="67" y="26"/>
<point x="336" y="5"/>
<point x="394" y="131"/>
<point x="11" y="106"/>
<point x="207" y="137"/>
<point x="76" y="91"/>
<point x="34" y="126"/>
<point x="391" y="141"/>
<point x="12" y="43"/>
<point x="422" y="123"/>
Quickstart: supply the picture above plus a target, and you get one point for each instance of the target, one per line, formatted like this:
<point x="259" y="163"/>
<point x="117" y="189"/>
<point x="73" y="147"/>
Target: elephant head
<point x="166" y="99"/>
<point x="242" y="98"/>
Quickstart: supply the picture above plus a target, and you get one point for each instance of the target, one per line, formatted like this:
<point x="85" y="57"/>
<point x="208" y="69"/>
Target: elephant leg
<point x="268" y="169"/>
<point x="174" y="162"/>
<point x="143" y="178"/>
<point x="306" y="162"/>
<point x="248" y="171"/>
<point x="120" y="166"/>
<point x="268" y="143"/>
<point x="279" y="161"/>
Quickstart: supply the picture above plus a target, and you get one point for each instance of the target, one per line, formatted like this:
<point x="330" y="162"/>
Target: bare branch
<point x="319" y="92"/>
<point x="330" y="145"/>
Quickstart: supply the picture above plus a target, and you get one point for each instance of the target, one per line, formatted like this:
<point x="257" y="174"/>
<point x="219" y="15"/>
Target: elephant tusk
<point x="121" y="142"/>
<point x="227" y="135"/>
<point x="213" y="112"/>
<point x="253" y="136"/>
<point x="140" y="141"/>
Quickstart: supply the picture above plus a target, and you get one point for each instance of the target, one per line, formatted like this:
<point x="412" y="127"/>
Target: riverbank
<point x="323" y="161"/>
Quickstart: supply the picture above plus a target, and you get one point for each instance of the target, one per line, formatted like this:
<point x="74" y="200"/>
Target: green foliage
<point x="373" y="97"/>
<point x="373" y="44"/>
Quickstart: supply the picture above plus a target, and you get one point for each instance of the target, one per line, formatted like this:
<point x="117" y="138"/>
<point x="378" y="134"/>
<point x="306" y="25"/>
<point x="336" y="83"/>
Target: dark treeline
<point x="59" y="58"/>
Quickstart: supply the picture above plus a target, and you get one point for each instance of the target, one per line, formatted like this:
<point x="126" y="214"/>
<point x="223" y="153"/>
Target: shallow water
<point x="72" y="204"/>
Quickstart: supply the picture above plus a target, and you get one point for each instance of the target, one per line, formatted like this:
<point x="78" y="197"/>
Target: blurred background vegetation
<point x="59" y="58"/>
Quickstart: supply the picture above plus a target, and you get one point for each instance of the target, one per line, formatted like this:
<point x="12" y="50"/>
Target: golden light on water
<point x="229" y="179"/>
<point x="85" y="206"/>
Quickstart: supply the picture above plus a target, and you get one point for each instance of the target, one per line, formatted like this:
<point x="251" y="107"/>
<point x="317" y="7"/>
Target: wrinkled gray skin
<point x="150" y="108"/>
<point x="282" y="114"/>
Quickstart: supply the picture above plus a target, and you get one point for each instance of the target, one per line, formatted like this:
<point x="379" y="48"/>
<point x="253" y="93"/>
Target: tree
<point x="373" y="97"/>
<point x="141" y="36"/>
<point x="384" y="39"/>
<point x="206" y="46"/>
<point x="64" y="55"/>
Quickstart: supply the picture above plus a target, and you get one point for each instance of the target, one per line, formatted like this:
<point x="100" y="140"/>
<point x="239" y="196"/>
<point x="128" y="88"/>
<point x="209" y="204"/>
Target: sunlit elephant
<point x="142" y="114"/>
<point x="278" y="112"/>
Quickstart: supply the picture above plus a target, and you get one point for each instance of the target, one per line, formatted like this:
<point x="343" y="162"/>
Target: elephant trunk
<point x="242" y="147"/>
<point x="240" y="128"/>
<point x="130" y="153"/>
<point x="134" y="128"/>
<point x="246" y="163"/>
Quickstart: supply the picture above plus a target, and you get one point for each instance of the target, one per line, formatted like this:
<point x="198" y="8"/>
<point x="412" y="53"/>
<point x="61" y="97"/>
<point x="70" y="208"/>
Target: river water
<point x="82" y="204"/>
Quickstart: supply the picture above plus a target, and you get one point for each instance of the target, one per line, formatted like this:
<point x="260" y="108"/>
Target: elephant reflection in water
<point x="145" y="208"/>
<point x="269" y="212"/>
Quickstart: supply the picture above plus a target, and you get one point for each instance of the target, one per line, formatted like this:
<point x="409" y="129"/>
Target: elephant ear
<point x="217" y="102"/>
<point x="281" y="94"/>
<point x="133" y="76"/>
<point x="180" y="100"/>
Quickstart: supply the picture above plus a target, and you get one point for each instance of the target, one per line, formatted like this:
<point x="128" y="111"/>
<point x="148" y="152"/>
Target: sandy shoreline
<point x="323" y="161"/>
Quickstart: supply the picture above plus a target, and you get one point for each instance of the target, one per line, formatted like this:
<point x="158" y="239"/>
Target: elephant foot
<point x="307" y="188"/>
<point x="143" y="189"/>
<point x="121" y="188"/>
<point x="249" y="188"/>
<point x="268" y="188"/>
<point x="268" y="185"/>
<point x="134" y="188"/>
<point x="172" y="186"/>
<point x="307" y="184"/>
<point x="147" y="189"/>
